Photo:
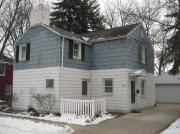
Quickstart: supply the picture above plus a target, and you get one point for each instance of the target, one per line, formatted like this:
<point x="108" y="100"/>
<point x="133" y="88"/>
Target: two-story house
<point x="116" y="63"/>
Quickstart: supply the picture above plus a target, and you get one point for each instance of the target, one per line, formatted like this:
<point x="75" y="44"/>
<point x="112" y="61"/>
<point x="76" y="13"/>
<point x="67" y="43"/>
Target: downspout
<point x="61" y="73"/>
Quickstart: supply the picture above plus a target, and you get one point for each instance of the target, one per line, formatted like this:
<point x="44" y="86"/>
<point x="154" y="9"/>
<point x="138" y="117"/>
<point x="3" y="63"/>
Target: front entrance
<point x="133" y="92"/>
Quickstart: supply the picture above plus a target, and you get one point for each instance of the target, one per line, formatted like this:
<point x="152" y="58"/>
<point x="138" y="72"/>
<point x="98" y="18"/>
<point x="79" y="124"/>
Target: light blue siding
<point x="74" y="63"/>
<point x="135" y="40"/>
<point x="109" y="54"/>
<point x="121" y="53"/>
<point x="44" y="49"/>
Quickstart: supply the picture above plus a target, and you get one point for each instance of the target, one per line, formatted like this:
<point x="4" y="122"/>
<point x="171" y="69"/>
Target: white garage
<point x="168" y="89"/>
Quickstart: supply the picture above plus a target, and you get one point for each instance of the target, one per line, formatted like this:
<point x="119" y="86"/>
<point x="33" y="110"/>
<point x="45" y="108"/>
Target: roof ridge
<point x="104" y="30"/>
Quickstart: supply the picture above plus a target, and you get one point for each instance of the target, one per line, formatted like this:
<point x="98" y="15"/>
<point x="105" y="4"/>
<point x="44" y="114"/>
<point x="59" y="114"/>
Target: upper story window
<point x="142" y="55"/>
<point x="22" y="52"/>
<point x="2" y="70"/>
<point x="76" y="51"/>
<point x="108" y="85"/>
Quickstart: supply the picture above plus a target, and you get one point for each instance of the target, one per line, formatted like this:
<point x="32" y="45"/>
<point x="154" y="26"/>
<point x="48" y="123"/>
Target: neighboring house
<point x="116" y="63"/>
<point x="168" y="88"/>
<point x="6" y="77"/>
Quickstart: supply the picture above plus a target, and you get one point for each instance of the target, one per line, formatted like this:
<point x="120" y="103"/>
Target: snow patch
<point x="67" y="118"/>
<point x="19" y="126"/>
<point x="86" y="38"/>
<point x="174" y="128"/>
<point x="2" y="101"/>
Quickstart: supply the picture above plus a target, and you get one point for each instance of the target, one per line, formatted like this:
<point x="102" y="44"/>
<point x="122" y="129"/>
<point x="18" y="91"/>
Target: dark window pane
<point x="84" y="87"/>
<point x="2" y="70"/>
<point x="108" y="83"/>
<point x="49" y="83"/>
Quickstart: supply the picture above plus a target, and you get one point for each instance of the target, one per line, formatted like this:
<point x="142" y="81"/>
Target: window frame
<point x="142" y="55"/>
<point x="143" y="83"/>
<point x="86" y="88"/>
<point x="4" y="69"/>
<point x="104" y="85"/>
<point x="78" y="57"/>
<point x="8" y="90"/>
<point x="20" y="52"/>
<point x="50" y="87"/>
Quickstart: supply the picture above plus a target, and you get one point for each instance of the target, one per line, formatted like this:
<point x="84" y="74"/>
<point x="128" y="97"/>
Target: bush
<point x="32" y="112"/>
<point x="97" y="114"/>
<point x="45" y="102"/>
<point x="57" y="114"/>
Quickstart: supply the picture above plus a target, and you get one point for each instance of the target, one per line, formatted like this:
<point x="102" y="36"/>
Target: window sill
<point x="22" y="60"/>
<point x="50" y="88"/>
<point x="108" y="94"/>
<point x="2" y="75"/>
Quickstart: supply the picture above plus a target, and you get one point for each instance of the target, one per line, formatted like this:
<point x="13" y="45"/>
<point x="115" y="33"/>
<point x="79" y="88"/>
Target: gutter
<point x="108" y="39"/>
<point x="1" y="62"/>
<point x="61" y="64"/>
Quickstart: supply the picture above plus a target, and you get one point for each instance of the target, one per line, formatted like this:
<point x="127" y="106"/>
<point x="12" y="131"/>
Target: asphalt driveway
<point x="151" y="121"/>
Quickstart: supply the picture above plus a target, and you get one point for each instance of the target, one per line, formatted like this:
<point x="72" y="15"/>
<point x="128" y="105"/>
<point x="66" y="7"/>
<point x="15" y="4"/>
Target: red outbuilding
<point x="6" y="78"/>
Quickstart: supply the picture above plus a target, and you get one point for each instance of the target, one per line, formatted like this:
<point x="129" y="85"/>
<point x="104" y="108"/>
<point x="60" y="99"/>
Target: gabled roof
<point x="111" y="33"/>
<point x="98" y="35"/>
<point x="103" y="35"/>
<point x="5" y="59"/>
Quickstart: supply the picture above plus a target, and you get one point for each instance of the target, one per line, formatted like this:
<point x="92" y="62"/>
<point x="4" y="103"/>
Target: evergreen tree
<point x="78" y="16"/>
<point x="174" y="41"/>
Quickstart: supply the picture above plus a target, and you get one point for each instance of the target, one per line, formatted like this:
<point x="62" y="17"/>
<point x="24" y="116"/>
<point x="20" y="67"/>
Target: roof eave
<point x="109" y="39"/>
<point x="2" y="62"/>
<point x="73" y="38"/>
<point x="134" y="29"/>
<point x="68" y="37"/>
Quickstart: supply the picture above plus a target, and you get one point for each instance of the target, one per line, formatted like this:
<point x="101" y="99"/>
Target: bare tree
<point x="151" y="13"/>
<point x="119" y="14"/>
<point x="44" y="102"/>
<point x="14" y="19"/>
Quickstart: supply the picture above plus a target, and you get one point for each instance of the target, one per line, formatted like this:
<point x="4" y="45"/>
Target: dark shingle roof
<point x="98" y="35"/>
<point x="110" y="33"/>
<point x="64" y="32"/>
<point x="6" y="59"/>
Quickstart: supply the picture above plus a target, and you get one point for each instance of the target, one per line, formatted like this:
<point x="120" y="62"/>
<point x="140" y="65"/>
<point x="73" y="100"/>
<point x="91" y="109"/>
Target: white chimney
<point x="40" y="14"/>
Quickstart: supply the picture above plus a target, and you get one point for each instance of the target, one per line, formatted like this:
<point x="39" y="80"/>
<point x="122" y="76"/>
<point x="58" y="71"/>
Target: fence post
<point x="104" y="108"/>
<point x="93" y="107"/>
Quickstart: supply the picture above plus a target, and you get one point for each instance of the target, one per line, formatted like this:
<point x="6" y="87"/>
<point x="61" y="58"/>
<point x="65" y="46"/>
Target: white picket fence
<point x="83" y="107"/>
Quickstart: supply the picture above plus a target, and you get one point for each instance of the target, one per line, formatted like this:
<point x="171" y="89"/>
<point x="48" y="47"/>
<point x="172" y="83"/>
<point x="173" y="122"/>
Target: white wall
<point x="148" y="99"/>
<point x="168" y="93"/>
<point x="118" y="100"/>
<point x="35" y="80"/>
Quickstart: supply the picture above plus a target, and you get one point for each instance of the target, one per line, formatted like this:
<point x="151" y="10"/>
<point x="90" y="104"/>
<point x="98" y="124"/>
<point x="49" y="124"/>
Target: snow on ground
<point x="19" y="126"/>
<point x="174" y="128"/>
<point x="77" y="120"/>
<point x="67" y="118"/>
<point x="2" y="101"/>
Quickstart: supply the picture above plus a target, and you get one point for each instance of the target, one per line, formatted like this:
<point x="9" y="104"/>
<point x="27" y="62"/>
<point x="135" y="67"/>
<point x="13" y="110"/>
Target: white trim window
<point x="22" y="52"/>
<point x="143" y="87"/>
<point x="2" y="70"/>
<point x="49" y="83"/>
<point x="142" y="55"/>
<point x="108" y="85"/>
<point x="76" y="51"/>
